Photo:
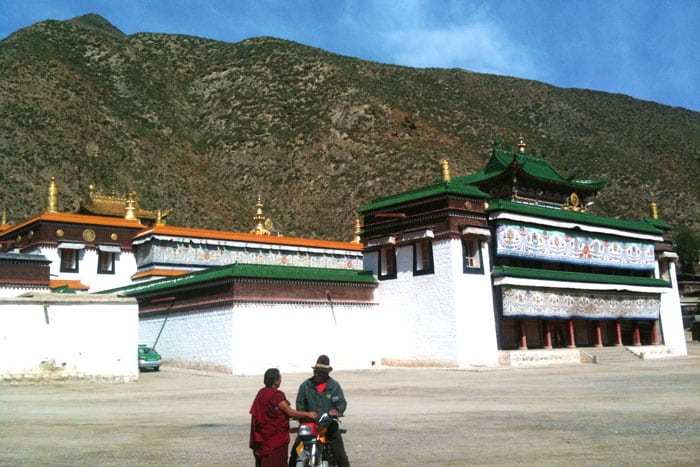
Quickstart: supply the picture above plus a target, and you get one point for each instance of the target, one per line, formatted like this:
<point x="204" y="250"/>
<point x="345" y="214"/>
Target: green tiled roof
<point x="569" y="276"/>
<point x="501" y="160"/>
<point x="256" y="271"/>
<point x="422" y="193"/>
<point x="573" y="216"/>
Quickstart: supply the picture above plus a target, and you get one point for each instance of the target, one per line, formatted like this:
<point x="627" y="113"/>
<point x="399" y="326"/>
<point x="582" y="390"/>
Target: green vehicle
<point x="149" y="359"/>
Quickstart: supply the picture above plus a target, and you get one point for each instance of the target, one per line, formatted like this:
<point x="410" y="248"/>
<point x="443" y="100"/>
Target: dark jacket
<point x="308" y="398"/>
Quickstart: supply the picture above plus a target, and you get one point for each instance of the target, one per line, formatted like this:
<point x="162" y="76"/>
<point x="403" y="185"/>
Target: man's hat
<point x="323" y="363"/>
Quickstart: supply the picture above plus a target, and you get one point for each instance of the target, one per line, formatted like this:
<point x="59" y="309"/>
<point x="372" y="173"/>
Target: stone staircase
<point x="608" y="355"/>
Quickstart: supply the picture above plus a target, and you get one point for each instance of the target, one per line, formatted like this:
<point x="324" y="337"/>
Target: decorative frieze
<point x="553" y="245"/>
<point x="545" y="303"/>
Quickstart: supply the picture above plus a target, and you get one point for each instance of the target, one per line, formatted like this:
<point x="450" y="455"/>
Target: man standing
<point x="322" y="394"/>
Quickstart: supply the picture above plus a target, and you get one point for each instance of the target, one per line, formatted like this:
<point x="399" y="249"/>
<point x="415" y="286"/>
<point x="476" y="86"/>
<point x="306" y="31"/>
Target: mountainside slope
<point x="202" y="127"/>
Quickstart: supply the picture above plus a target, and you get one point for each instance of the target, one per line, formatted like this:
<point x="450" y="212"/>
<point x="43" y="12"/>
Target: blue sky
<point x="646" y="49"/>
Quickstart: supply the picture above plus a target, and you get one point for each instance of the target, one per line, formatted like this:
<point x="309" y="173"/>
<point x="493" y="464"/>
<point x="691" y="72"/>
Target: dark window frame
<point x="65" y="266"/>
<point x="467" y="244"/>
<point x="112" y="261"/>
<point x="384" y="252"/>
<point x="424" y="268"/>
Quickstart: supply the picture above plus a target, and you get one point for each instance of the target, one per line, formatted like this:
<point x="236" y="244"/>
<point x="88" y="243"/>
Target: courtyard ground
<point x="633" y="413"/>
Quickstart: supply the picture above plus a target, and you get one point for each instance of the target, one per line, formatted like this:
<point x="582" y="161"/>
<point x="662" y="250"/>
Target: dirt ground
<point x="636" y="413"/>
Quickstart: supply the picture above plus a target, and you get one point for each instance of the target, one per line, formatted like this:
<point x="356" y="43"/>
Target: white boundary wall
<point x="76" y="336"/>
<point x="248" y="338"/>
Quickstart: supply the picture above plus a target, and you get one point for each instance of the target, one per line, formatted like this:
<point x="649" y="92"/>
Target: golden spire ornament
<point x="262" y="226"/>
<point x="52" y="201"/>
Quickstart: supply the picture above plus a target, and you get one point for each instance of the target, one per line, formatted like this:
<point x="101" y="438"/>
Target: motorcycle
<point x="314" y="449"/>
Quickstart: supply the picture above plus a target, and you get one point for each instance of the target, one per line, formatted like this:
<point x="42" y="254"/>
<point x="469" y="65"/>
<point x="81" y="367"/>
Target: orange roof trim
<point x="79" y="219"/>
<point x="246" y="237"/>
<point x="75" y="285"/>
<point x="160" y="272"/>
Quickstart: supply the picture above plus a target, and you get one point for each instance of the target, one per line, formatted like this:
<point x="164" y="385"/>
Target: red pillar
<point x="636" y="340"/>
<point x="598" y="335"/>
<point x="618" y="333"/>
<point x="655" y="340"/>
<point x="572" y="338"/>
<point x="547" y="335"/>
<point x="523" y="335"/>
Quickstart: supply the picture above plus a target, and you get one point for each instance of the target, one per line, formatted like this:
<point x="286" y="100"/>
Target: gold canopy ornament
<point x="115" y="205"/>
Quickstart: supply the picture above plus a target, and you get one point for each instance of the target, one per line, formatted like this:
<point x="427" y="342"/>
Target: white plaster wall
<point x="445" y="318"/>
<point x="291" y="336"/>
<point x="248" y="338"/>
<point x="17" y="291"/>
<point x="419" y="310"/>
<point x="50" y="336"/>
<point x="199" y="339"/>
<point x="476" y="322"/>
<point x="124" y="267"/>
<point x="671" y="317"/>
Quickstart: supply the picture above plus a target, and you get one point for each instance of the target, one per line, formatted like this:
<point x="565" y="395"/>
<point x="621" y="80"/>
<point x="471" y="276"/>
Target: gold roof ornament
<point x="358" y="228"/>
<point x="52" y="200"/>
<point x="445" y="165"/>
<point x="130" y="206"/>
<point x="262" y="226"/>
<point x="653" y="211"/>
<point x="521" y="144"/>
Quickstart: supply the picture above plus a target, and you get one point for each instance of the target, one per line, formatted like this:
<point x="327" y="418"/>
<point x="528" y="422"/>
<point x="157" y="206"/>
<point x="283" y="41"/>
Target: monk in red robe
<point x="269" y="423"/>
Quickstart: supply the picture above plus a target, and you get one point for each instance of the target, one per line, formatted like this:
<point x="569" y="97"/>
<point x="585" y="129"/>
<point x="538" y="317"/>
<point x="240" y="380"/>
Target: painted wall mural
<point x="549" y="303"/>
<point x="191" y="254"/>
<point x="553" y="245"/>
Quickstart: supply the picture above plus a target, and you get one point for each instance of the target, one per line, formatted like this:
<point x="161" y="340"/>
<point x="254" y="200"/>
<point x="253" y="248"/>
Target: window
<point x="423" y="257"/>
<point x="472" y="256"/>
<point x="69" y="260"/>
<point x="106" y="255"/>
<point x="105" y="262"/>
<point x="387" y="263"/>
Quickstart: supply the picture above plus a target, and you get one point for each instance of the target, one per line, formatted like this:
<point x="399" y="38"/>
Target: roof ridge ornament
<point x="521" y="144"/>
<point x="446" y="176"/>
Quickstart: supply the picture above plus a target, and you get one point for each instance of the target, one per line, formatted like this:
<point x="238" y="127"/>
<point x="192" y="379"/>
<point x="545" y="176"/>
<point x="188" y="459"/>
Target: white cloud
<point x="481" y="47"/>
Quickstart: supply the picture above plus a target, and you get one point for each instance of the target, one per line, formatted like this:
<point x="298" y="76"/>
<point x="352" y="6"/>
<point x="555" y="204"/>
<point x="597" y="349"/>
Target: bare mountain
<point x="202" y="127"/>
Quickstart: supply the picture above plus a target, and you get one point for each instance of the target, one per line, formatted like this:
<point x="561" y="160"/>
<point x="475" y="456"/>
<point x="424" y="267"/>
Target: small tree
<point x="687" y="244"/>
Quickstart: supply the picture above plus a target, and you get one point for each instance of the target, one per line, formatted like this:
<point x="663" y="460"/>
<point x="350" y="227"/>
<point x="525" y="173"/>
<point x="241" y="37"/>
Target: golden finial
<point x="259" y="218"/>
<point x="445" y="164"/>
<point x="358" y="229"/>
<point x="521" y="144"/>
<point x="4" y="216"/>
<point x="159" y="217"/>
<point x="130" y="206"/>
<point x="52" y="202"/>
<point x="653" y="210"/>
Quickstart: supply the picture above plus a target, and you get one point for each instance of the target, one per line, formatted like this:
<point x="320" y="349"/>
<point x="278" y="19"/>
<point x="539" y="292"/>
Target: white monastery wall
<point x="248" y="338"/>
<point x="418" y="310"/>
<point x="445" y="318"/>
<point x="670" y="316"/>
<point x="476" y="323"/>
<point x="17" y="291"/>
<point x="51" y="336"/>
<point x="199" y="340"/>
<point x="291" y="336"/>
<point x="124" y="267"/>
